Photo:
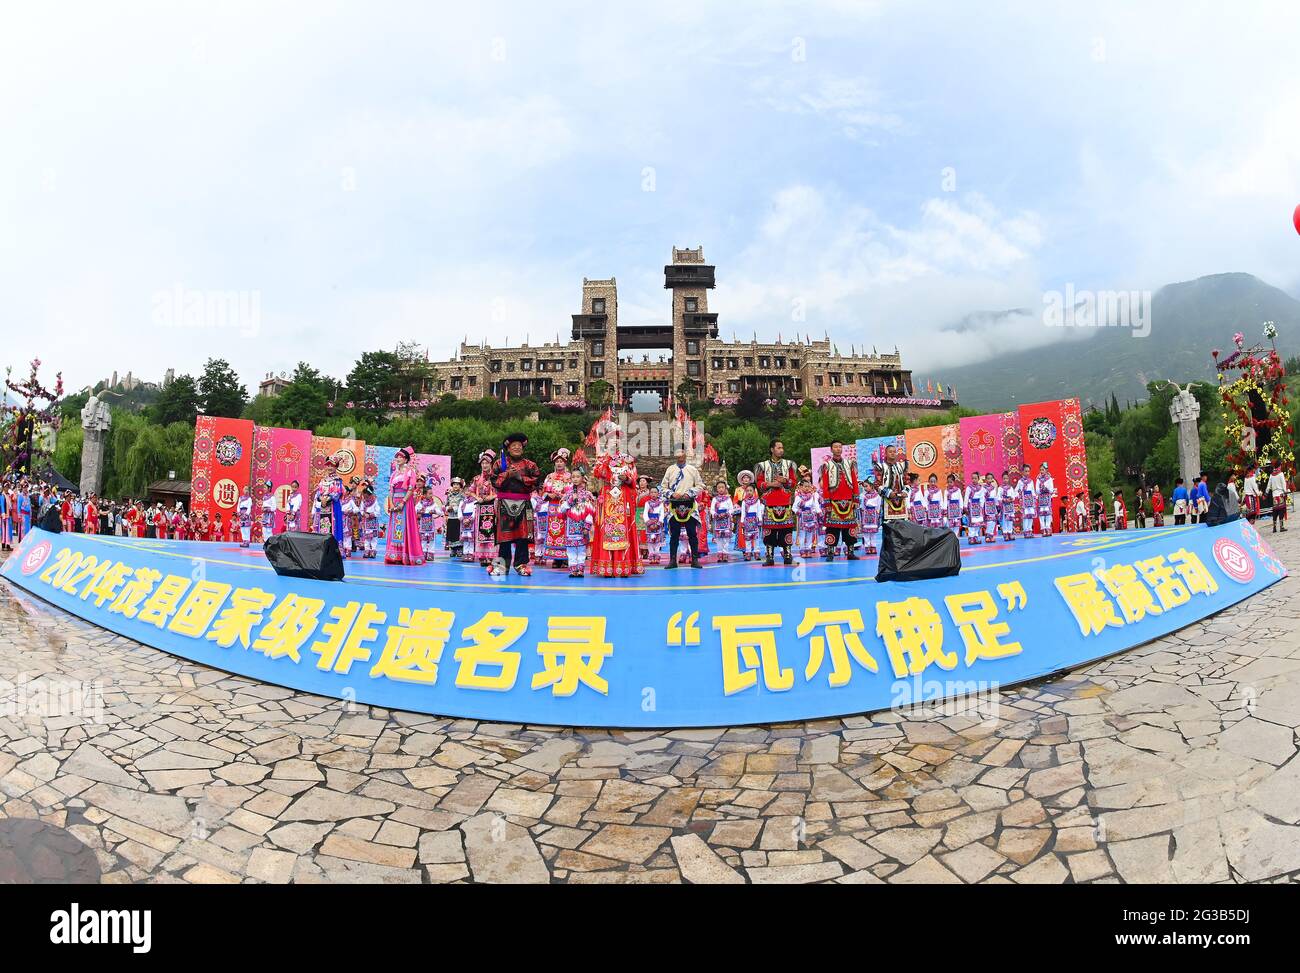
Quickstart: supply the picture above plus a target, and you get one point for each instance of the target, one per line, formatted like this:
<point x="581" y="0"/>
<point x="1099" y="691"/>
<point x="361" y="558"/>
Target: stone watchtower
<point x="690" y="280"/>
<point x="597" y="328"/>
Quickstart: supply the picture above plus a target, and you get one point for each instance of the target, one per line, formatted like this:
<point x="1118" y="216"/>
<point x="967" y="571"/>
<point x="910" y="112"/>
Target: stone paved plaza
<point x="1175" y="762"/>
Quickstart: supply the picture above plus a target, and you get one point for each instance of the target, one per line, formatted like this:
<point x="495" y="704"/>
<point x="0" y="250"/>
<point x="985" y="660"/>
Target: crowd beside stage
<point x="612" y="522"/>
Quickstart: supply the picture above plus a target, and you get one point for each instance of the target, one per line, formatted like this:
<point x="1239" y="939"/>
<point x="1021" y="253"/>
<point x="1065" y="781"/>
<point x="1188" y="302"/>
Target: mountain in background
<point x="1188" y="320"/>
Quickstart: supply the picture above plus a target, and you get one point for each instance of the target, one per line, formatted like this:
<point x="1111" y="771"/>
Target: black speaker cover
<point x="915" y="553"/>
<point x="1223" y="509"/>
<point x="296" y="554"/>
<point x="51" y="521"/>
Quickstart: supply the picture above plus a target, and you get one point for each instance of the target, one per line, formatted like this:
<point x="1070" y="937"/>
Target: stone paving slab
<point x="1174" y="762"/>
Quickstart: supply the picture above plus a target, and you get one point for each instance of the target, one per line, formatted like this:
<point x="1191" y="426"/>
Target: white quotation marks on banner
<point x="690" y="635"/>
<point x="1013" y="594"/>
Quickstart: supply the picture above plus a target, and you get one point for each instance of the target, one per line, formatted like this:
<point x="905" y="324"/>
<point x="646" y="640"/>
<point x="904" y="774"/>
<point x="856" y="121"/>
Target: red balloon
<point x="1295" y="218"/>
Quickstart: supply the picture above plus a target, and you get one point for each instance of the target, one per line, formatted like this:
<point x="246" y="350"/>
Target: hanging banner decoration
<point x="223" y="450"/>
<point x="640" y="654"/>
<point x="1042" y="441"/>
<point x="1076" y="452"/>
<point x="1011" y="445"/>
<point x="980" y="438"/>
<point x="925" y="452"/>
<point x="350" y="453"/>
<point x="382" y="457"/>
<point x="871" y="455"/>
<point x="290" y="460"/>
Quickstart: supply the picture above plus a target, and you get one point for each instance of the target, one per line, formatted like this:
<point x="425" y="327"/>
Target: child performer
<point x="721" y="511"/>
<point x="656" y="519"/>
<point x="807" y="517"/>
<point x="268" y="511"/>
<point x="294" y="507"/>
<point x="1046" y="494"/>
<point x="1007" y="498"/>
<point x="935" y="501"/>
<point x="975" y="509"/>
<point x="1250" y="494"/>
<point x="750" y="530"/>
<point x="1157" y="507"/>
<point x="244" y="511"/>
<point x="455" y="497"/>
<point x="1098" y="512"/>
<point x="351" y="510"/>
<point x="468" y="528"/>
<point x="744" y="479"/>
<point x="992" y="508"/>
<point x="916" y="500"/>
<point x="370" y="514"/>
<point x="1121" y="511"/>
<point x="578" y="513"/>
<point x="1027" y="494"/>
<point x="872" y="507"/>
<point x="1278" y="491"/>
<point x="954" y="505"/>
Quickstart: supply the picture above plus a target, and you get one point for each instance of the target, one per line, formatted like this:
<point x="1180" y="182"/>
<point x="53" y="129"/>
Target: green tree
<point x="179" y="401"/>
<point x="741" y="447"/>
<point x="67" y="450"/>
<point x="375" y="380"/>
<point x="1101" y="463"/>
<point x="599" y="393"/>
<point x="302" y="404"/>
<point x="220" y="391"/>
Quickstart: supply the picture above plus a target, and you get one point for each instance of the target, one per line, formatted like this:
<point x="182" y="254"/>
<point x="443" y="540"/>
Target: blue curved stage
<point x="730" y="644"/>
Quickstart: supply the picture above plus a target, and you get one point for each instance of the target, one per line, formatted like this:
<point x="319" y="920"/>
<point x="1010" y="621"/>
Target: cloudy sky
<point x="338" y="177"/>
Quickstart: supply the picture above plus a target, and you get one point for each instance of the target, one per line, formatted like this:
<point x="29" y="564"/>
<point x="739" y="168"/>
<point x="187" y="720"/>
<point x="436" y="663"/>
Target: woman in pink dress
<point x="402" y="541"/>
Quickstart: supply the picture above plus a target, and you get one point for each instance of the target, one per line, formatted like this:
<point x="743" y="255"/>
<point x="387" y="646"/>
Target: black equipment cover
<point x="911" y="552"/>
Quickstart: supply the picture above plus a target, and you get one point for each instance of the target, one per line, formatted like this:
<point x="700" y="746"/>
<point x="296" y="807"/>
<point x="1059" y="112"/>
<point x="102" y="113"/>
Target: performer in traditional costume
<point x="775" y="479"/>
<point x="484" y="496"/>
<point x="872" y="510"/>
<point x="244" y="512"/>
<point x="837" y="482"/>
<point x="654" y="514"/>
<point x="974" y="500"/>
<point x="6" y="519"/>
<point x="1278" y="492"/>
<point x="953" y="505"/>
<point x="1098" y="512"/>
<point x="293" y="507"/>
<point x="402" y="540"/>
<point x="1027" y="500"/>
<point x="515" y="479"/>
<point x="351" y="512"/>
<point x="455" y="501"/>
<point x="555" y="488"/>
<point x="1157" y="507"/>
<point x="1046" y="493"/>
<point x="935" y="503"/>
<point x="180" y="524"/>
<point x="1121" y="511"/>
<point x="615" y="551"/>
<point x="807" y="516"/>
<point x="468" y="527"/>
<point x="744" y="480"/>
<point x="1010" y="500"/>
<point x="370" y="516"/>
<point x="916" y="500"/>
<point x="424" y="510"/>
<point x="90" y="516"/>
<point x="268" y="511"/>
<point x="66" y="515"/>
<point x="578" y="513"/>
<point x="721" y="521"/>
<point x="751" y="523"/>
<point x="992" y="508"/>
<point x="892" y="480"/>
<point x="1250" y="494"/>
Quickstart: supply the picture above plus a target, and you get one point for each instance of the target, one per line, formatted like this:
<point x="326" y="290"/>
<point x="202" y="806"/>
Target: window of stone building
<point x="692" y="347"/>
<point x="526" y="365"/>
<point x="692" y="368"/>
<point x="764" y="362"/>
<point x="733" y="386"/>
<point x="496" y="365"/>
<point x="510" y="366"/>
<point x="749" y="362"/>
<point x="598" y="348"/>
<point x="794" y="362"/>
<point x="717" y="363"/>
<point x="798" y="385"/>
<point x="715" y="388"/>
<point x="573" y="363"/>
<point x="597" y="305"/>
<point x="442" y="386"/>
<point x="473" y="381"/>
<point x="455" y="382"/>
<point x="733" y="363"/>
<point x="818" y="380"/>
<point x="573" y="388"/>
<point x="835" y="378"/>
<point x="598" y="369"/>
<point x="692" y="304"/>
<point x="780" y="361"/>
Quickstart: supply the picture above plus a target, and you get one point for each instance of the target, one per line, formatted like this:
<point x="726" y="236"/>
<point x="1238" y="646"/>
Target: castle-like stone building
<point x="661" y="358"/>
